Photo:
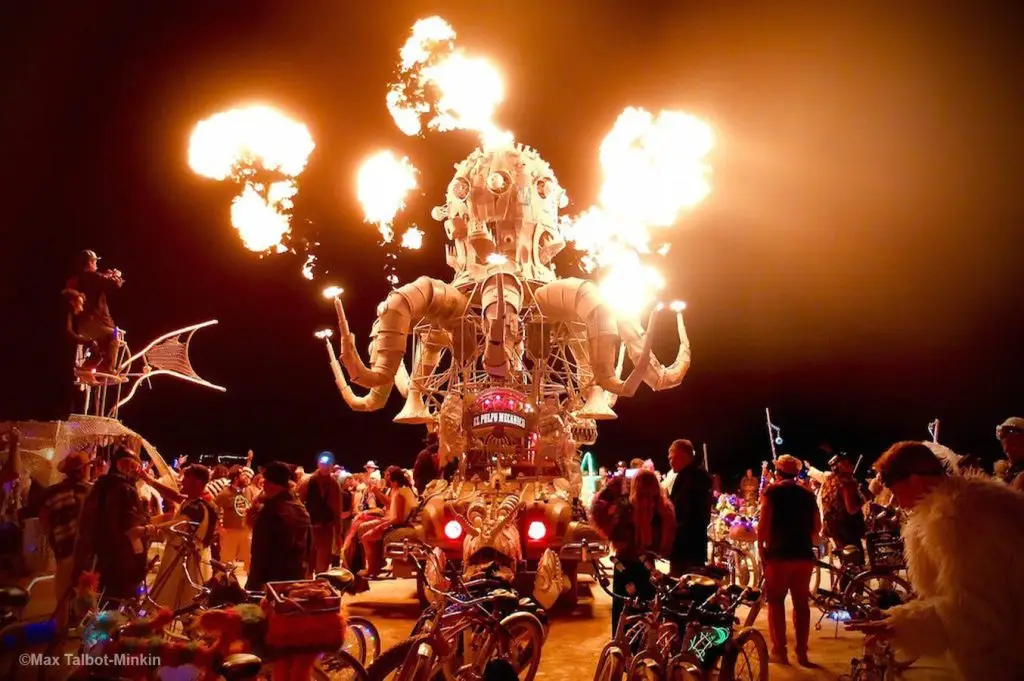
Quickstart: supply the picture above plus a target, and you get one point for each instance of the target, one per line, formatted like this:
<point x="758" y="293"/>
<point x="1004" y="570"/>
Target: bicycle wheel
<point x="645" y="667"/>
<point x="746" y="659"/>
<point x="522" y="649"/>
<point x="683" y="668"/>
<point x="878" y="589"/>
<point x="362" y="640"/>
<point x="339" y="666"/>
<point x="611" y="666"/>
<point x="389" y="665"/>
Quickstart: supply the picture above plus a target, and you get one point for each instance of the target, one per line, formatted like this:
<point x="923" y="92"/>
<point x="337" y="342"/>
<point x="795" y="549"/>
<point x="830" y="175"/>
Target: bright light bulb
<point x="453" y="529"/>
<point x="536" y="530"/>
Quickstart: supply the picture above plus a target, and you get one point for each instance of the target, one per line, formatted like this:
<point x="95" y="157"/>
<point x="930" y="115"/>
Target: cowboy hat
<point x="73" y="462"/>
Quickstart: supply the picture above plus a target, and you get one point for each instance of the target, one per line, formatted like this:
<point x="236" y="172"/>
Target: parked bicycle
<point x="687" y="631"/>
<point x="462" y="633"/>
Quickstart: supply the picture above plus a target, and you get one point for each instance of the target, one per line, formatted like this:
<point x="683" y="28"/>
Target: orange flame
<point x="232" y="145"/>
<point x="445" y="87"/>
<point x="654" y="170"/>
<point x="382" y="184"/>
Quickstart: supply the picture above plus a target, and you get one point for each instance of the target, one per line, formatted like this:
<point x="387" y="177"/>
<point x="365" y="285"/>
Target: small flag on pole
<point x="933" y="430"/>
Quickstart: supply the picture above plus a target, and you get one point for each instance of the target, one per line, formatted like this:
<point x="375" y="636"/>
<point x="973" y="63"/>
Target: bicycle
<point x="463" y="633"/>
<point x="705" y="613"/>
<point x="362" y="640"/>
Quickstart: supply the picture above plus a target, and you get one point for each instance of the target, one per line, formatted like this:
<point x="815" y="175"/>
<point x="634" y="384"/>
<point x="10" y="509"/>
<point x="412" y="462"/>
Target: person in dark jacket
<point x="280" y="531"/>
<point x="94" y="321"/>
<point x="427" y="467"/>
<point x="691" y="497"/>
<point x="113" y="530"/>
<point x="321" y="494"/>
<point x="787" y="531"/>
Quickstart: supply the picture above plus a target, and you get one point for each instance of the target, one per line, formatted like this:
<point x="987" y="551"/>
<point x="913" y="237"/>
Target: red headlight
<point x="452" y="529"/>
<point x="536" y="530"/>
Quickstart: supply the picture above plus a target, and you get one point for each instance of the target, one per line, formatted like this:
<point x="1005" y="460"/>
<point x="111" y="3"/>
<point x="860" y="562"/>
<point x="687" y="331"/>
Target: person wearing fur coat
<point x="963" y="542"/>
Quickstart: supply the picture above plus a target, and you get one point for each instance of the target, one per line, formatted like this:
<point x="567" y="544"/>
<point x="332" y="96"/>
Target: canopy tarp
<point x="44" y="444"/>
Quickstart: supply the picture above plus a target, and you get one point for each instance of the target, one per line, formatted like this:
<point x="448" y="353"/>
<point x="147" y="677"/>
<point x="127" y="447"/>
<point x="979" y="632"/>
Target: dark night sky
<point x="856" y="268"/>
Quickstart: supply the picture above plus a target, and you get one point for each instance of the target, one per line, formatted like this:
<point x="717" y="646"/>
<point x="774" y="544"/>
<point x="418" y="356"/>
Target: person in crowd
<point x="113" y="529"/>
<point x="962" y="541"/>
<point x="232" y="504"/>
<point x="347" y="501"/>
<point x="636" y="463"/>
<point x="94" y="322"/>
<point x="1011" y="436"/>
<point x="369" y="491"/>
<point x="321" y="494"/>
<point x="620" y="468"/>
<point x="280" y="531"/>
<point x="62" y="506"/>
<point x="787" y="531"/>
<point x="750" y="487"/>
<point x="691" y="498"/>
<point x="635" y="517"/>
<point x="220" y="478"/>
<point x="602" y="472"/>
<point x="428" y="466"/>
<point x="171" y="587"/>
<point x="369" y="535"/>
<point x="12" y="476"/>
<point x="842" y="508"/>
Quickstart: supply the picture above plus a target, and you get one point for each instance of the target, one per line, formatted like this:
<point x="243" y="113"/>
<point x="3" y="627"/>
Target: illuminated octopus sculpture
<point x="512" y="365"/>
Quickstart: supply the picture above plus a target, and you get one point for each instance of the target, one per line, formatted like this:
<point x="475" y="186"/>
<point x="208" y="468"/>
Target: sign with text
<point x="499" y="418"/>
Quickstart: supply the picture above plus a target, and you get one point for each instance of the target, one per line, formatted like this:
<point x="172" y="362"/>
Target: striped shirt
<point x="214" y="487"/>
<point x="63" y="504"/>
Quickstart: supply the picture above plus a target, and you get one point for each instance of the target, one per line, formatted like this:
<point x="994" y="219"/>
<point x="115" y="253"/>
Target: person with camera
<point x="94" y="322"/>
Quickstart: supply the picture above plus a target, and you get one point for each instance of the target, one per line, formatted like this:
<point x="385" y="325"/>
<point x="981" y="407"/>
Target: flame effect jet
<point x="382" y="184"/>
<point x="654" y="169"/>
<point x="448" y="90"/>
<point x="245" y="145"/>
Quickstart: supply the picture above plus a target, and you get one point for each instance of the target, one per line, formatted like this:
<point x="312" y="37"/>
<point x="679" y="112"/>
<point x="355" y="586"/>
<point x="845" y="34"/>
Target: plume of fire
<point x="382" y="184"/>
<point x="412" y="239"/>
<point x="333" y="292"/>
<point x="654" y="169"/>
<point x="441" y="85"/>
<point x="238" y="145"/>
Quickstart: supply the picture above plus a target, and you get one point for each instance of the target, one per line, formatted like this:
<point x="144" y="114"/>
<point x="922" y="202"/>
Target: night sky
<point x="856" y="268"/>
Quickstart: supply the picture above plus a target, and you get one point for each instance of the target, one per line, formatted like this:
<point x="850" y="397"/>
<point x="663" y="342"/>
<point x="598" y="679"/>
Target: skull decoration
<point x="503" y="202"/>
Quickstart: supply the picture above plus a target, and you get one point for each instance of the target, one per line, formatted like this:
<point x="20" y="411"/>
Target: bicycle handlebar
<point x="178" y="529"/>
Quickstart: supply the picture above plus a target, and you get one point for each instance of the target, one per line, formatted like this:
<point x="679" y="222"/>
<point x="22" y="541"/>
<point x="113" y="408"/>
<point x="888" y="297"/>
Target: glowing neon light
<point x="587" y="464"/>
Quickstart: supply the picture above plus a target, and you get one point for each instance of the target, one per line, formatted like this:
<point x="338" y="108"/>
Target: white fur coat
<point x="964" y="545"/>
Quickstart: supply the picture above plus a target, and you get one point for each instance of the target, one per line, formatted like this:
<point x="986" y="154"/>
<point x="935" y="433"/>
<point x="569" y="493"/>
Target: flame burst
<point x="382" y="184"/>
<point x="654" y="169"/>
<point x="412" y="239"/>
<point x="245" y="145"/>
<point x="441" y="85"/>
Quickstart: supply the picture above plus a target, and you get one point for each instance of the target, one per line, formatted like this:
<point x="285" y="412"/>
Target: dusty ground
<point x="575" y="639"/>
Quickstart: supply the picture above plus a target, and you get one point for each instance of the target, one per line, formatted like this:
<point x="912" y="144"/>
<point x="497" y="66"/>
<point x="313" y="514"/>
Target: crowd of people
<point x="963" y="530"/>
<point x="276" y="523"/>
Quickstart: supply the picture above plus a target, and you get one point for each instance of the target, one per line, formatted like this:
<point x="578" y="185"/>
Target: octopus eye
<point x="546" y="187"/>
<point x="498" y="182"/>
<point x="459" y="188"/>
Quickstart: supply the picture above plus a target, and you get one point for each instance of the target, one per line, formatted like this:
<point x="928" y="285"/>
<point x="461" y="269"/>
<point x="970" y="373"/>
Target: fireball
<point x="264" y="151"/>
<point x="382" y="184"/>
